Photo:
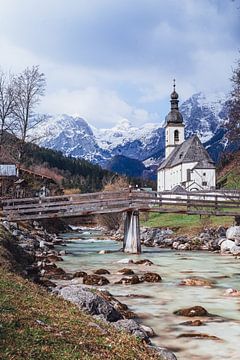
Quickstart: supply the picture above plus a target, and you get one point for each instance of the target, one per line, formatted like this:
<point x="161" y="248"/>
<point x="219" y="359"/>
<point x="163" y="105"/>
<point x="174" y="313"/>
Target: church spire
<point x="174" y="97"/>
<point x="174" y="116"/>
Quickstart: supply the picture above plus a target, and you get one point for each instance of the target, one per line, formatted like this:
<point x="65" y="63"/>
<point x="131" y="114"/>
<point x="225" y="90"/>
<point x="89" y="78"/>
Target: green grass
<point x="230" y="180"/>
<point x="186" y="223"/>
<point x="35" y="325"/>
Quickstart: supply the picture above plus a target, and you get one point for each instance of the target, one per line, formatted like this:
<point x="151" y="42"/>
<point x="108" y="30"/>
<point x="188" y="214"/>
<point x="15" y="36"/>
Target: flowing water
<point x="159" y="300"/>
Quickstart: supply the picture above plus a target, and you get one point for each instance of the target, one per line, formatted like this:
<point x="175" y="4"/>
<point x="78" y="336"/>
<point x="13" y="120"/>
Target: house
<point x="187" y="163"/>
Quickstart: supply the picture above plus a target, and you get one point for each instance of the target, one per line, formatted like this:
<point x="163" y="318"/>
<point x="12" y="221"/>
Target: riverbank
<point x="37" y="324"/>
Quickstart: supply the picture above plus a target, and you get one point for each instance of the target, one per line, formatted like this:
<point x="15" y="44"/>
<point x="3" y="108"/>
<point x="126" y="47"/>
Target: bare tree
<point x="29" y="87"/>
<point x="6" y="102"/>
<point x="233" y="125"/>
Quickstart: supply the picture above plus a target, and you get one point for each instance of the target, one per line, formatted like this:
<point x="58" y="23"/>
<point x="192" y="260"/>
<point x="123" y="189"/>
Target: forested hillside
<point x="76" y="173"/>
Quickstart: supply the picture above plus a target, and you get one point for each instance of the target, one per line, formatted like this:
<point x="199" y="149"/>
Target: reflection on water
<point x="159" y="300"/>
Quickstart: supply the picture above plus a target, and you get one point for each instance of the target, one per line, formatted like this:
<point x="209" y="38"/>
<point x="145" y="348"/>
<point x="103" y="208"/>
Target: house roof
<point x="6" y="157"/>
<point x="190" y="150"/>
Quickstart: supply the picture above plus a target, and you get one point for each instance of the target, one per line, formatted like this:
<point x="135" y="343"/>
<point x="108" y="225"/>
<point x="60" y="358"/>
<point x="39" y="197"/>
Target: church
<point x="187" y="165"/>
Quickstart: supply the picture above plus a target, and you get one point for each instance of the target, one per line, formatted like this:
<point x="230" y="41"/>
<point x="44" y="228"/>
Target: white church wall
<point x="199" y="178"/>
<point x="206" y="178"/>
<point x="170" y="142"/>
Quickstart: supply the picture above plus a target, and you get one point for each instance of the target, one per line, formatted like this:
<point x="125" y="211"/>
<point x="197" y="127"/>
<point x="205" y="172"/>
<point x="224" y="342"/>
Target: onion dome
<point x="174" y="116"/>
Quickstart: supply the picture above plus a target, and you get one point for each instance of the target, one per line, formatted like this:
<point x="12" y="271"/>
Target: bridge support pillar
<point x="131" y="242"/>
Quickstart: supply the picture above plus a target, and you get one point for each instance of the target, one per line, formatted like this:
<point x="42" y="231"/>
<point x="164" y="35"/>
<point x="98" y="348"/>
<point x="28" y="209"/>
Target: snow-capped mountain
<point x="203" y="115"/>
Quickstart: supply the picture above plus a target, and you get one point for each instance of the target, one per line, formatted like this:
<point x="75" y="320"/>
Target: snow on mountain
<point x="203" y="115"/>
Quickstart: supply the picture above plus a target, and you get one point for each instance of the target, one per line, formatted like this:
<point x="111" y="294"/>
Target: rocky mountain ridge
<point x="73" y="136"/>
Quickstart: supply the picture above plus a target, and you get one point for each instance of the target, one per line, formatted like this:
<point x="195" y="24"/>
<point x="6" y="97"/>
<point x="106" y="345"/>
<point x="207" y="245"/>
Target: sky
<point x="107" y="60"/>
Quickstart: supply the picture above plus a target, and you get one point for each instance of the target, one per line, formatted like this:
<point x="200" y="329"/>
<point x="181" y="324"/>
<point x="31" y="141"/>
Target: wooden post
<point x="131" y="242"/>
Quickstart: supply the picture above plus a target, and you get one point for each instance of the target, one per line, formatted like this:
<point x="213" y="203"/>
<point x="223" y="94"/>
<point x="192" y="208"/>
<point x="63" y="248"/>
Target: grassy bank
<point x="186" y="223"/>
<point x="35" y="324"/>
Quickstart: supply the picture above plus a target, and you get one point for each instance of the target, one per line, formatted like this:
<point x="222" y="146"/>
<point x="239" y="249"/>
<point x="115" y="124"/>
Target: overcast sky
<point x="111" y="59"/>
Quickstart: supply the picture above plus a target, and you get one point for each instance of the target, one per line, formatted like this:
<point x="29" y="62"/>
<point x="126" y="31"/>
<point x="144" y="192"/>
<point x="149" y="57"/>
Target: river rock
<point x="232" y="292"/>
<point x="54" y="272"/>
<point x="175" y="245"/>
<point x="148" y="330"/>
<point x="192" y="311"/>
<point x="101" y="272"/>
<point x="132" y="327"/>
<point x="144" y="262"/>
<point x="54" y="258"/>
<point x="193" y="323"/>
<point x="79" y="274"/>
<point x="199" y="336"/>
<point x="227" y="245"/>
<point x="90" y="302"/>
<point x="164" y="353"/>
<point x="151" y="277"/>
<point x="126" y="271"/>
<point x="125" y="261"/>
<point x="95" y="280"/>
<point x="233" y="233"/>
<point x="122" y="308"/>
<point x="46" y="283"/>
<point x="131" y="280"/>
<point x="102" y="252"/>
<point x="183" y="247"/>
<point x="235" y="250"/>
<point x="196" y="282"/>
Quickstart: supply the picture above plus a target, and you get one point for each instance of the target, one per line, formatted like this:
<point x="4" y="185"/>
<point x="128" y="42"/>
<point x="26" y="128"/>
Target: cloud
<point x="101" y="108"/>
<point x="111" y="59"/>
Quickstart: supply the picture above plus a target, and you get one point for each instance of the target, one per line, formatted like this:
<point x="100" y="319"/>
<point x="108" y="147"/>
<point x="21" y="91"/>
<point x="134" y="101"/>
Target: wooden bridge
<point x="219" y="203"/>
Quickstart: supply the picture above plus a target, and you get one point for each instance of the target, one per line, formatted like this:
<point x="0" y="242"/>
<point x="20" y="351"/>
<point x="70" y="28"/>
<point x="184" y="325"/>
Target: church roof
<point x="191" y="150"/>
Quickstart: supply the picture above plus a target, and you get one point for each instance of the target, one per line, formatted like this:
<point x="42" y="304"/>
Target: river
<point x="162" y="299"/>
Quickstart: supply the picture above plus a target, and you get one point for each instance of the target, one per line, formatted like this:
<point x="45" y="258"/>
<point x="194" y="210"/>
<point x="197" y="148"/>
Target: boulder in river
<point x="101" y="272"/>
<point x="132" y="327"/>
<point x="95" y="280"/>
<point x="79" y="274"/>
<point x="125" y="261"/>
<point x="196" y="282"/>
<point x="126" y="271"/>
<point x="143" y="262"/>
<point x="199" y="336"/>
<point x="196" y="322"/>
<point x="192" y="311"/>
<point x="90" y="302"/>
<point x="235" y="250"/>
<point x="227" y="245"/>
<point x="233" y="233"/>
<point x="151" y="277"/>
<point x="232" y="292"/>
<point x="164" y="353"/>
<point x="131" y="280"/>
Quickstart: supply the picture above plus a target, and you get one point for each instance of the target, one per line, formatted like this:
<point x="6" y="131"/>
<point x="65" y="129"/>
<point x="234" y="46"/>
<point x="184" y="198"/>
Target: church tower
<point x="174" y="126"/>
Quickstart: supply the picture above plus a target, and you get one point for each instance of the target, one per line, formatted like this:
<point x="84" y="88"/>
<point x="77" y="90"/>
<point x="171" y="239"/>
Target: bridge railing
<point x="202" y="202"/>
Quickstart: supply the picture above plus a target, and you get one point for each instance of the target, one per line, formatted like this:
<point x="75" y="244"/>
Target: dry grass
<point x="37" y="325"/>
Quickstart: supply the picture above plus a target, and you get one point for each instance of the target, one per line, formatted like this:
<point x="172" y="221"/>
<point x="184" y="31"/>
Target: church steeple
<point x="174" y="116"/>
<point x="174" y="124"/>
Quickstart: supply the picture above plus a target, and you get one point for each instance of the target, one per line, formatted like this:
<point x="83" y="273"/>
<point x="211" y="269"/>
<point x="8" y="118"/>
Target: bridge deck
<point x="220" y="203"/>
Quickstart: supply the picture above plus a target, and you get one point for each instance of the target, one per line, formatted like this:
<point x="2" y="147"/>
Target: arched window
<point x="176" y="135"/>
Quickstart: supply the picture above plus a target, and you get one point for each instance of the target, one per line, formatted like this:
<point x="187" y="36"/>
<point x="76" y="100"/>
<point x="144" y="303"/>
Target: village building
<point x="187" y="165"/>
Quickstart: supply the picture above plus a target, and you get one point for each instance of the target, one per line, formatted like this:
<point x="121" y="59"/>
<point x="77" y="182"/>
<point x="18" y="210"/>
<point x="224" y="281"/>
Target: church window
<point x="204" y="174"/>
<point x="204" y="183"/>
<point x="188" y="174"/>
<point x="176" y="135"/>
